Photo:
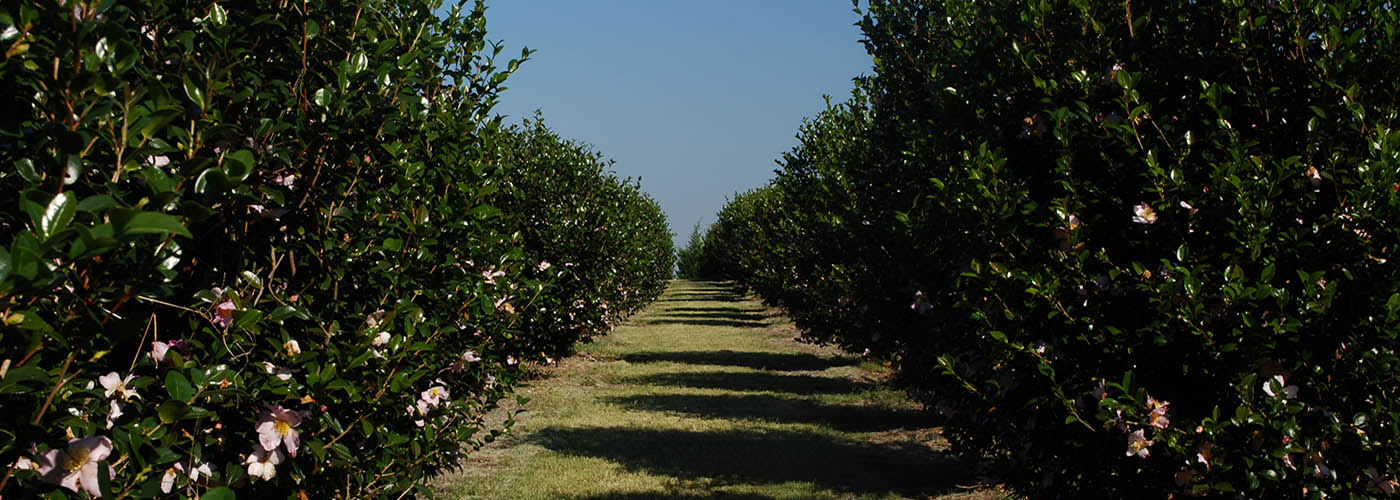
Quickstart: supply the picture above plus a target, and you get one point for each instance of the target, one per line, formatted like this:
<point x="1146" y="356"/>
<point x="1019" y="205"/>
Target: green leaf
<point x="321" y="97"/>
<point x="4" y="263"/>
<point x="97" y="203"/>
<point x="360" y="62"/>
<point x="171" y="410"/>
<point x="217" y="15"/>
<point x="57" y="215"/>
<point x="132" y="222"/>
<point x="26" y="170"/>
<point x="178" y="386"/>
<point x="195" y="93"/>
<point x="238" y="164"/>
<point x="219" y="493"/>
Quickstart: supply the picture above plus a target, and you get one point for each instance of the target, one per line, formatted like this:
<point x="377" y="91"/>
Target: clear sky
<point x="696" y="97"/>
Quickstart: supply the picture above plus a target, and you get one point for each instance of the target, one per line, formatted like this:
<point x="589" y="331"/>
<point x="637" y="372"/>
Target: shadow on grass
<point x="846" y="418"/>
<point x="771" y="457"/>
<point x="671" y="496"/>
<point x="746" y="359"/>
<point x="731" y="314"/>
<point x="706" y="322"/>
<point x="753" y="382"/>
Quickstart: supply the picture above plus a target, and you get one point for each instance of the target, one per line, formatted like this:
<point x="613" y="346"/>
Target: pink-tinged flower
<point x="510" y="360"/>
<point x="419" y="409"/>
<point x="281" y="373"/>
<point x="1138" y="444"/>
<point x="263" y="463"/>
<point x="1314" y="177"/>
<point x="167" y="480"/>
<point x="1157" y="414"/>
<point x="380" y="339"/>
<point x="114" y="383"/>
<point x="470" y="357"/>
<point x="76" y="465"/>
<point x="292" y="347"/>
<point x="434" y="395"/>
<point x="223" y="313"/>
<point x="543" y="266"/>
<point x="158" y="350"/>
<point x="920" y="304"/>
<point x="278" y="426"/>
<point x="490" y="275"/>
<point x="1275" y="387"/>
<point x="1288" y="462"/>
<point x="202" y="469"/>
<point x="373" y="320"/>
<point x="1203" y="453"/>
<point x="1144" y="214"/>
<point x="113" y="413"/>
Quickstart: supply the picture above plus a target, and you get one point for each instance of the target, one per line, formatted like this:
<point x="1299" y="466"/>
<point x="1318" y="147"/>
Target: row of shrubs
<point x="1119" y="250"/>
<point x="283" y="249"/>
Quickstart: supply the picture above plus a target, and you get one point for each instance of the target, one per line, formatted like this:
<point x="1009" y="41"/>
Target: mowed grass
<point x="707" y="395"/>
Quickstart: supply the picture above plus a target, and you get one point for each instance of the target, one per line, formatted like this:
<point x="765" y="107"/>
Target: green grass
<point x="707" y="395"/>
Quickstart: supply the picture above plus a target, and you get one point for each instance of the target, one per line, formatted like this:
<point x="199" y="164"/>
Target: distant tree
<point x="688" y="258"/>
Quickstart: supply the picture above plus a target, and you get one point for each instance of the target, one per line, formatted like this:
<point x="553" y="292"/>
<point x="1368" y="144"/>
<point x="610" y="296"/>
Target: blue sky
<point x="697" y="98"/>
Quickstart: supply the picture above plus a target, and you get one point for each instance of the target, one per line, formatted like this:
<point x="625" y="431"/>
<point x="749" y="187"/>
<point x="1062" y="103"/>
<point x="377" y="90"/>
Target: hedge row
<point x="280" y="249"/>
<point x="1119" y="249"/>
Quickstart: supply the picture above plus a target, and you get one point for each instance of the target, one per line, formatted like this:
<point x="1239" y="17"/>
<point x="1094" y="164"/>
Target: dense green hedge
<point x="1121" y="249"/>
<point x="607" y="240"/>
<point x="271" y="248"/>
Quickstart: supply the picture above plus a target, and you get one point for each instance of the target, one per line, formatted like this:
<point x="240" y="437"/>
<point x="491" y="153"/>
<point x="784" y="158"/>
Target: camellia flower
<point x="76" y="465"/>
<point x="1285" y="391"/>
<point x="114" y="383"/>
<point x="434" y="395"/>
<point x="1144" y="214"/>
<point x="281" y="373"/>
<point x="380" y="339"/>
<point x="470" y="357"/>
<point x="278" y="426"/>
<point x="263" y="463"/>
<point x="292" y="347"/>
<point x="113" y="413"/>
<point x="543" y="266"/>
<point x="1138" y="444"/>
<point x="1157" y="414"/>
<point x="158" y="350"/>
<point x="223" y="314"/>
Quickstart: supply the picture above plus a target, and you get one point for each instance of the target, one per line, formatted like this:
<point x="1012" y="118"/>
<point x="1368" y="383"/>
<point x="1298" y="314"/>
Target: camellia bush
<point x="606" y="242"/>
<point x="263" y="249"/>
<point x="1120" y="250"/>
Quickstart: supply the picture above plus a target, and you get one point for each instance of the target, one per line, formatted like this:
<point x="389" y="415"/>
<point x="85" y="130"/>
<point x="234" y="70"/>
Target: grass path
<point x="706" y="395"/>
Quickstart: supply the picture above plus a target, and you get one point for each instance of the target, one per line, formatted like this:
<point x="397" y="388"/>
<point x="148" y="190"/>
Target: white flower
<point x="76" y="465"/>
<point x="158" y="350"/>
<point x="470" y="357"/>
<point x="543" y="266"/>
<point x="1286" y="391"/>
<point x="381" y="339"/>
<point x="113" y="383"/>
<point x="113" y="413"/>
<point x="1144" y="214"/>
<point x="277" y="426"/>
<point x="167" y="480"/>
<point x="263" y="463"/>
<point x="292" y="347"/>
<point x="434" y="395"/>
<point x="1138" y="444"/>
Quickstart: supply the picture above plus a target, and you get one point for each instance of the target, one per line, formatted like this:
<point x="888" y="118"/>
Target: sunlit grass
<point x="706" y="395"/>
